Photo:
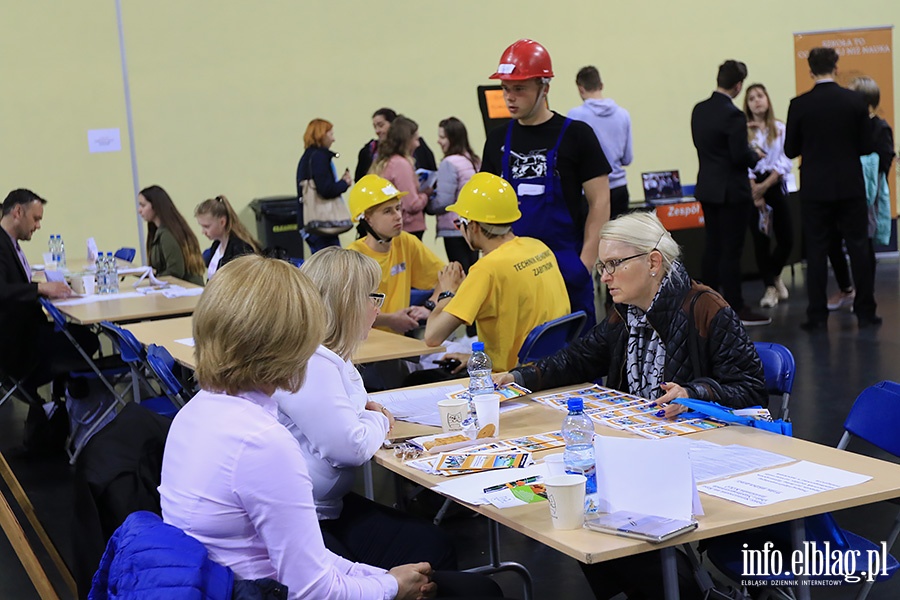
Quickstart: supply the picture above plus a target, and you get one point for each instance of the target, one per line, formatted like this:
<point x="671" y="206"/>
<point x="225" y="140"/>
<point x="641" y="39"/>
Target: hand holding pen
<point x="670" y="392"/>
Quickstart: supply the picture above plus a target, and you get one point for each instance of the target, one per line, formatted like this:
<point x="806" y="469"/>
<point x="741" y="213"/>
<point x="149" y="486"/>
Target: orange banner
<point x="863" y="52"/>
<point x="684" y="215"/>
<point x="496" y="105"/>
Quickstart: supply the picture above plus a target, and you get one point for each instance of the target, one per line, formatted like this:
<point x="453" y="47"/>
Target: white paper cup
<point x="453" y="412"/>
<point x="487" y="409"/>
<point x="555" y="464"/>
<point x="565" y="495"/>
<point x="89" y="284"/>
<point x="48" y="260"/>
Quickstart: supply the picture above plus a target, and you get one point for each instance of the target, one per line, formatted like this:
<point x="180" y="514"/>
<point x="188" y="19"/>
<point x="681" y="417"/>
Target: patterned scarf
<point x="645" y="354"/>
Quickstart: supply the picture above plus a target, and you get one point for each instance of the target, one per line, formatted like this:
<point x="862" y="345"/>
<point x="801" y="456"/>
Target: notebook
<point x="642" y="527"/>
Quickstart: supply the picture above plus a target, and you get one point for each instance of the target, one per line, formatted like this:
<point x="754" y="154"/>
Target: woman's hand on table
<point x="503" y="378"/>
<point x="670" y="392"/>
<point x="375" y="407"/>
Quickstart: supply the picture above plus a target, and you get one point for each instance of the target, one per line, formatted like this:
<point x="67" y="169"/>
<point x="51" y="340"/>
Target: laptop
<point x="662" y="187"/>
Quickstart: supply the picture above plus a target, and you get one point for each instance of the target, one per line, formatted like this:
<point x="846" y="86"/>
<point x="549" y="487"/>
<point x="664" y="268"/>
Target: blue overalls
<point x="546" y="216"/>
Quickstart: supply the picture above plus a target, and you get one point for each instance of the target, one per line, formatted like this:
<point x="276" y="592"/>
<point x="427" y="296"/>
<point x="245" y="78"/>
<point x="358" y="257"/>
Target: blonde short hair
<point x="345" y="279"/>
<point x="645" y="233"/>
<point x="257" y="323"/>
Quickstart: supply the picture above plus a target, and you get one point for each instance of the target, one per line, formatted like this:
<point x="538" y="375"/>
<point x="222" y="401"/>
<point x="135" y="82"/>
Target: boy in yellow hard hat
<point x="515" y="286"/>
<point x="405" y="261"/>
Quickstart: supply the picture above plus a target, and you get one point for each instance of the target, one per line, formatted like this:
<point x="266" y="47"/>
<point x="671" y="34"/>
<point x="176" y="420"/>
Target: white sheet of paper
<point x="470" y="488"/>
<point x="91" y="250"/>
<point x="98" y="298"/>
<point x="52" y="275"/>
<point x="186" y="342"/>
<point x="714" y="461"/>
<point x="104" y="140"/>
<point x="786" y="483"/>
<point x="631" y="473"/>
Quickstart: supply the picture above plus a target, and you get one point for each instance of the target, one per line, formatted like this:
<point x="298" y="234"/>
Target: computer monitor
<point x="661" y="185"/>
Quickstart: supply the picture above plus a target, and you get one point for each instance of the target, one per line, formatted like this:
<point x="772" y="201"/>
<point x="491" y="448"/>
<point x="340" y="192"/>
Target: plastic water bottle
<point x="479" y="368"/>
<point x="112" y="273"/>
<point x="53" y="249"/>
<point x="102" y="286"/>
<point x="61" y="253"/>
<point x="578" y="432"/>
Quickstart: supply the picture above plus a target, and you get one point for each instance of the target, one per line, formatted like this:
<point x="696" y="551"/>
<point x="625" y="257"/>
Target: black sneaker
<point x="752" y="319"/>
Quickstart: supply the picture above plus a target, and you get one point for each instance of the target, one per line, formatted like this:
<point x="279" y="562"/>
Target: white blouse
<point x="328" y="417"/>
<point x="775" y="159"/>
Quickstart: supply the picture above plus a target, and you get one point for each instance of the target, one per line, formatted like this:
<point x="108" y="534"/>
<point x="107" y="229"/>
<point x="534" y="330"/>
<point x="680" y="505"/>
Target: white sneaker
<point x="770" y="298"/>
<point x="841" y="299"/>
<point x="781" y="289"/>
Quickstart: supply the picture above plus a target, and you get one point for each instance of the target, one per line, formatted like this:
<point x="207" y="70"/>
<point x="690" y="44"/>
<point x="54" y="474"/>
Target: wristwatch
<point x="429" y="304"/>
<point x="445" y="295"/>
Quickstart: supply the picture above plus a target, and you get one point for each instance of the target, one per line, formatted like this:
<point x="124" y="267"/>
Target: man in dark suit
<point x="30" y="349"/>
<point x="829" y="127"/>
<point x="719" y="129"/>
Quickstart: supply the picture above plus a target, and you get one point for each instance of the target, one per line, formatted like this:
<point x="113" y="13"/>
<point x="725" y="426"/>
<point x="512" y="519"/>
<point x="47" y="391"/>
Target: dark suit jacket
<point x="20" y="313"/>
<point x="829" y="127"/>
<point x="719" y="129"/>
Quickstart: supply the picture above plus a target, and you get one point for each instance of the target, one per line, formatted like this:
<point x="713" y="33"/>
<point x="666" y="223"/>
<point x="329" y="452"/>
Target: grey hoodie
<point x="612" y="124"/>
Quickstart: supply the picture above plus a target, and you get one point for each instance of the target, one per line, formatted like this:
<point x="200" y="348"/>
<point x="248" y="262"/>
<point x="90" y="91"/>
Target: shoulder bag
<point x="323" y="216"/>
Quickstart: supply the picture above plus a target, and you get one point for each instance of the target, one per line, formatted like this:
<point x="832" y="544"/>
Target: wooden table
<point x="721" y="516"/>
<point x="380" y="345"/>
<point x="119" y="310"/>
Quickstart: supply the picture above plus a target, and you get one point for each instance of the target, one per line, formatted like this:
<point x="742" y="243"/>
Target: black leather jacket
<point x="730" y="371"/>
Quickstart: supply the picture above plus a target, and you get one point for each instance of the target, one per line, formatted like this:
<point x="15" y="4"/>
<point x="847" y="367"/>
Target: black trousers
<point x="56" y="356"/>
<point x="823" y="222"/>
<point x="725" y="226"/>
<point x="839" y="263"/>
<point x="771" y="261"/>
<point x="377" y="535"/>
<point x="639" y="577"/>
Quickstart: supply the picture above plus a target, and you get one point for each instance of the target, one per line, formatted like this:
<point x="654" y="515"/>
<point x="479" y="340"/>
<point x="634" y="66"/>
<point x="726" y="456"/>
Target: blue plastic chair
<point x="552" y="336"/>
<point x="875" y="418"/>
<point x="76" y="443"/>
<point x="162" y="365"/>
<point x="132" y="353"/>
<point x="779" y="369"/>
<point x="126" y="254"/>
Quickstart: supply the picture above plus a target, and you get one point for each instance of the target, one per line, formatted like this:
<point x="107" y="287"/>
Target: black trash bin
<point x="276" y="223"/>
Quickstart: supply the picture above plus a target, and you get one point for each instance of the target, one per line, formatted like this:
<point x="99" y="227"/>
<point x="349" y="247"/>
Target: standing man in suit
<point x="719" y="130"/>
<point x="30" y="348"/>
<point x="829" y="127"/>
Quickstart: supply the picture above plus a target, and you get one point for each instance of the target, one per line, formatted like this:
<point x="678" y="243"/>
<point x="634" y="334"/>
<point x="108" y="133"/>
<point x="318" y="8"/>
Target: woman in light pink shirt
<point x="395" y="163"/>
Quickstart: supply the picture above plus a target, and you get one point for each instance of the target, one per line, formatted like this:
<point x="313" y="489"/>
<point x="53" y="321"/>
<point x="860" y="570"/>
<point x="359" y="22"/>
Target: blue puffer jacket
<point x="148" y="559"/>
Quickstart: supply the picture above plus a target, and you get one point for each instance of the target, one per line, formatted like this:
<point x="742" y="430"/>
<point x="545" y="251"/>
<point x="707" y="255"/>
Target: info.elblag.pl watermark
<point x="814" y="560"/>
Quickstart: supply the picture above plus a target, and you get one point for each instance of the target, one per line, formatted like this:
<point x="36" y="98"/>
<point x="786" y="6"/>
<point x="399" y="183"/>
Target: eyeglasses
<point x="611" y="266"/>
<point x="377" y="299"/>
<point x="461" y="222"/>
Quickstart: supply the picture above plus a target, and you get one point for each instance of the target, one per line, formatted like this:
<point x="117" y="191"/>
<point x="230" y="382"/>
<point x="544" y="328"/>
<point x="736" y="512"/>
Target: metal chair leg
<point x="497" y="566"/>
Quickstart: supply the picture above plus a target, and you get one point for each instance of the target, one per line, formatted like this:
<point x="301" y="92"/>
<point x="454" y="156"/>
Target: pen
<point x="500" y="486"/>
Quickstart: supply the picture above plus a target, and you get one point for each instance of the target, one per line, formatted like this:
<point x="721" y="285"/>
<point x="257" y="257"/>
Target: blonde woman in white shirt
<point x="769" y="181"/>
<point x="339" y="428"/>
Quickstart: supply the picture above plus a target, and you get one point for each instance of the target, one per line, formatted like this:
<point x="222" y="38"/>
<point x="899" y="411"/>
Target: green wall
<point x="222" y="91"/>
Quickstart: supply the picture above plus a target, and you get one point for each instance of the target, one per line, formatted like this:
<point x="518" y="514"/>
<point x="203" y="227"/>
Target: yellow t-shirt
<point x="408" y="264"/>
<point x="509" y="292"/>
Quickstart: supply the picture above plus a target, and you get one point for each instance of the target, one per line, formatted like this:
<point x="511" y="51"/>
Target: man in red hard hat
<point x="556" y="166"/>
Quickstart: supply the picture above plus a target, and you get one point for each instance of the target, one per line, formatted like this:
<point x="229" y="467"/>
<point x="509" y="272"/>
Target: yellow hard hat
<point x="370" y="191"/>
<point x="487" y="198"/>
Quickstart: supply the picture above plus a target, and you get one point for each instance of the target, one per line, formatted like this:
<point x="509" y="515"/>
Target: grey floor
<point x="832" y="368"/>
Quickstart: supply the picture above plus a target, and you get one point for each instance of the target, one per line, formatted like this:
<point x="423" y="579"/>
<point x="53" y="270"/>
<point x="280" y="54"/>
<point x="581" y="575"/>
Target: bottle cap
<point x="477" y="346"/>
<point x="575" y="404"/>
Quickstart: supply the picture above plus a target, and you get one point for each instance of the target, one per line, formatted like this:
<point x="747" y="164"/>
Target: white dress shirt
<point x="328" y="417"/>
<point x="234" y="478"/>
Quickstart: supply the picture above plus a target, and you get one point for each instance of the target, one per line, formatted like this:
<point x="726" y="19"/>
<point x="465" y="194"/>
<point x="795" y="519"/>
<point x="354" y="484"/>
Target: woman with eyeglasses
<point x="667" y="336"/>
<point x="340" y="429"/>
<point x="230" y="238"/>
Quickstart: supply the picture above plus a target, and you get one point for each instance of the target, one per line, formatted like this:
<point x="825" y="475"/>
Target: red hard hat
<point x="525" y="59"/>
